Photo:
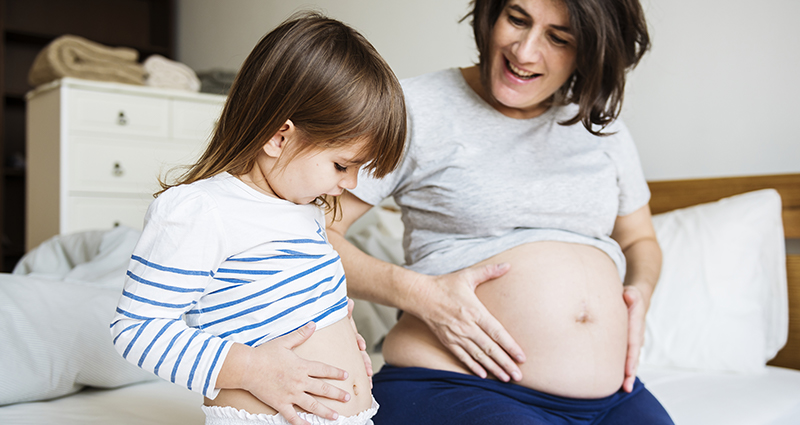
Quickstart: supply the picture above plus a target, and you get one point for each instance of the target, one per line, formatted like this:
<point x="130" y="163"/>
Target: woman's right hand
<point x="464" y="325"/>
<point x="446" y="303"/>
<point x="282" y="380"/>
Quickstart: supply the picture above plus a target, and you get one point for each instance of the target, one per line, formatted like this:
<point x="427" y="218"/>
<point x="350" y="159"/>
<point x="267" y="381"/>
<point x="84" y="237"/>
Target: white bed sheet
<point x="692" y="398"/>
<point x="705" y="398"/>
<point x="153" y="402"/>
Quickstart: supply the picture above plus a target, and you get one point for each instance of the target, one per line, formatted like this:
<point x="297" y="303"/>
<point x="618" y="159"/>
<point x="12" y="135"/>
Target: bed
<point x="722" y="341"/>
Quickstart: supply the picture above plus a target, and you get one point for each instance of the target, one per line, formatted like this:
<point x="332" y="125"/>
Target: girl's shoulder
<point x="188" y="199"/>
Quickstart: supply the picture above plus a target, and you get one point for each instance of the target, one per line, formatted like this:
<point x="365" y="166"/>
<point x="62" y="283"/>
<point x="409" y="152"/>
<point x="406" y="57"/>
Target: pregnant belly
<point x="334" y="345"/>
<point x="563" y="305"/>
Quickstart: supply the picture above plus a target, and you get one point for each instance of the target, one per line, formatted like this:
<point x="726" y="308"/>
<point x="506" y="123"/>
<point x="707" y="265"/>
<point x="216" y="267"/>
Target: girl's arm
<point x="166" y="277"/>
<point x="637" y="238"/>
<point x="447" y="303"/>
<point x="156" y="339"/>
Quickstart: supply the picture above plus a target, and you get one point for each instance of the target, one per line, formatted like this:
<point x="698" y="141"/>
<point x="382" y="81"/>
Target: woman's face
<point x="532" y="54"/>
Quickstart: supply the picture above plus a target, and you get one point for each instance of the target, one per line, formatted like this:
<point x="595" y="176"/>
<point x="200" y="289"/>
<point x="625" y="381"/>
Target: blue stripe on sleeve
<point x="180" y="356"/>
<point x="162" y="286"/>
<point x="155" y="303"/>
<point x="289" y="254"/>
<point x="170" y="269"/>
<point x="299" y="254"/>
<point x="135" y="337"/>
<point x="256" y="272"/>
<point x="164" y="354"/>
<point x="150" y="346"/>
<point x="196" y="362"/>
<point x="131" y="315"/>
<point x="299" y="241"/>
<point x="232" y="280"/>
<point x="227" y="288"/>
<point x="124" y="330"/>
<point x="213" y="365"/>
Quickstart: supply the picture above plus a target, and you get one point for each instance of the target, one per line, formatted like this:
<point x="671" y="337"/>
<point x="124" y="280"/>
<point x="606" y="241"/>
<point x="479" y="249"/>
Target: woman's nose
<point x="529" y="48"/>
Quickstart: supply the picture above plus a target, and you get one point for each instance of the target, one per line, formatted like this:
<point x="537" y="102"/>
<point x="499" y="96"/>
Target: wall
<point x="715" y="96"/>
<point x="414" y="36"/>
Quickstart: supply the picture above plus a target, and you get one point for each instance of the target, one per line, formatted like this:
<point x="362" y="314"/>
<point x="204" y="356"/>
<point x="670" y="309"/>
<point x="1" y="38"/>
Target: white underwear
<point x="216" y="415"/>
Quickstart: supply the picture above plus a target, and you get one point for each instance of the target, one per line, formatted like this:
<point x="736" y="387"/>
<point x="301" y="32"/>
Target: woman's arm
<point x="446" y="303"/>
<point x="637" y="238"/>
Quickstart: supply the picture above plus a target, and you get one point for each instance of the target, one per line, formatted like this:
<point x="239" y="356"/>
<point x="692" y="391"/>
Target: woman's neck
<point x="472" y="76"/>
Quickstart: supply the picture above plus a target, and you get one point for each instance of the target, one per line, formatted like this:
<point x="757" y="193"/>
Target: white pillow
<point x="55" y="339"/>
<point x="721" y="303"/>
<point x="97" y="256"/>
<point x="54" y="317"/>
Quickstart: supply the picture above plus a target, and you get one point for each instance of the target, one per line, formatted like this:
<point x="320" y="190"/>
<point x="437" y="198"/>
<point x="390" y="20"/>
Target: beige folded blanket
<point x="166" y="73"/>
<point x="77" y="57"/>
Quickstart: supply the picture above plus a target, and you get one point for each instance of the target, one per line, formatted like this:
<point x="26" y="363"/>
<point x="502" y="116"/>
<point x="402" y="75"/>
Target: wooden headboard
<point x="669" y="195"/>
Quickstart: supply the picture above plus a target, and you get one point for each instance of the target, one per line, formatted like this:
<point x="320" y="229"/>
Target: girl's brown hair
<point x="328" y="80"/>
<point x="611" y="38"/>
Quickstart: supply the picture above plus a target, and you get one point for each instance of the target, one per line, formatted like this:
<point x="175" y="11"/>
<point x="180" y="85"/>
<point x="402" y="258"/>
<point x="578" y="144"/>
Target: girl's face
<point x="532" y="54"/>
<point x="317" y="172"/>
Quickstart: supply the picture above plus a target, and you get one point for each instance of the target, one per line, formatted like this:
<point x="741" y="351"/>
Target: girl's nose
<point x="350" y="179"/>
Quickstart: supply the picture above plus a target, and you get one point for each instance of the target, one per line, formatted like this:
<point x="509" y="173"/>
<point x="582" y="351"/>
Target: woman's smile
<point x="520" y="73"/>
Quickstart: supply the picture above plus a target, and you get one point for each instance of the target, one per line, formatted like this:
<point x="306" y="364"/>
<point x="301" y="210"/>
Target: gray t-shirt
<point x="474" y="182"/>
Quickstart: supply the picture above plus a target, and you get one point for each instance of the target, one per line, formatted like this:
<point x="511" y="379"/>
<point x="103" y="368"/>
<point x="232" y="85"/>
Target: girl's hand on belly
<point x="464" y="325"/>
<point x="282" y="380"/>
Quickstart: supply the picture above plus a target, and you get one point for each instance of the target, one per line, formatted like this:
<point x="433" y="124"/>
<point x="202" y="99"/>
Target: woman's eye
<point x="516" y="21"/>
<point x="339" y="167"/>
<point x="558" y="40"/>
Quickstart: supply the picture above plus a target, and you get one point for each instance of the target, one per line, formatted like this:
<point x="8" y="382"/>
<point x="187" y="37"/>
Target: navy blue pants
<point x="425" y="396"/>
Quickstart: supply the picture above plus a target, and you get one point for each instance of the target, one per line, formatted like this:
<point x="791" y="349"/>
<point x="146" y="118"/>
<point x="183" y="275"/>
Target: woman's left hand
<point x="636" y="317"/>
<point x="637" y="239"/>
<point x="362" y="343"/>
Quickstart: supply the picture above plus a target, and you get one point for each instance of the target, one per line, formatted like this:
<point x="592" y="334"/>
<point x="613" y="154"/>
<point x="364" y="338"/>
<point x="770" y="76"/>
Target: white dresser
<point x="95" y="151"/>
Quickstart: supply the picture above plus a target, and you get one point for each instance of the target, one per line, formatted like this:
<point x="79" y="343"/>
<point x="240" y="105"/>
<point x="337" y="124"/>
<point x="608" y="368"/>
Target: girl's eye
<point x="339" y="167"/>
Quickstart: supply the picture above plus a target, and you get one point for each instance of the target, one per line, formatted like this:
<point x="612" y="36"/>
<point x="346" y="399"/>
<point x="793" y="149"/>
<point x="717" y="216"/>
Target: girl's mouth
<point x="524" y="75"/>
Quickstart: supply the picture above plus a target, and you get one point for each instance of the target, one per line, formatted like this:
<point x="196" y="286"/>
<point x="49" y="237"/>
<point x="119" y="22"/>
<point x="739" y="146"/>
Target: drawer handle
<point x="117" y="171"/>
<point x="121" y="118"/>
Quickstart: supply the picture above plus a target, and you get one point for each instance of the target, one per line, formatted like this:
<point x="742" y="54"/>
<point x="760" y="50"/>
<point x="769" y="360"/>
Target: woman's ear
<point x="277" y="143"/>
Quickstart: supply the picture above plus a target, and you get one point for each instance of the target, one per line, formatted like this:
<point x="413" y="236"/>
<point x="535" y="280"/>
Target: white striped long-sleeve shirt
<point x="219" y="262"/>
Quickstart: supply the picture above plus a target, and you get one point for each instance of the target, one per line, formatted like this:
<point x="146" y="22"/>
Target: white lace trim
<point x="227" y="415"/>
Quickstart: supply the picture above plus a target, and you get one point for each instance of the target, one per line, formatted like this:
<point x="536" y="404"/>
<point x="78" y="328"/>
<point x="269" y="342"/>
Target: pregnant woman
<point x="530" y="252"/>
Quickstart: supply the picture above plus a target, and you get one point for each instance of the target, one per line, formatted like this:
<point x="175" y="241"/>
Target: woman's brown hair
<point x="611" y="38"/>
<point x="323" y="76"/>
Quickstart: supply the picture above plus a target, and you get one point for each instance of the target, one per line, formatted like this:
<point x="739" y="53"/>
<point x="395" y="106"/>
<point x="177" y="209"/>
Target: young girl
<point x="235" y="254"/>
